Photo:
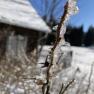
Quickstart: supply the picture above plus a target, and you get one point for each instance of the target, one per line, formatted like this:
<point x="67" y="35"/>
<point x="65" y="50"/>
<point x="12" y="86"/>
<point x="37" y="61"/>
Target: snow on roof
<point x="21" y="13"/>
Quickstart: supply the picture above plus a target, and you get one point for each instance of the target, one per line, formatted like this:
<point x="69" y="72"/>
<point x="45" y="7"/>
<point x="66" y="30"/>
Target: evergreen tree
<point x="89" y="37"/>
<point x="74" y="35"/>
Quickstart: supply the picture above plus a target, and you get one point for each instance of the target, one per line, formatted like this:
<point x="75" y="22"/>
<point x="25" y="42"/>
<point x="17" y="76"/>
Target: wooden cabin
<point x="20" y="26"/>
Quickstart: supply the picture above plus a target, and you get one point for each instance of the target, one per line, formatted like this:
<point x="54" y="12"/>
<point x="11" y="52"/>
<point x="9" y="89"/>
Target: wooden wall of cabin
<point x="3" y="38"/>
<point x="31" y="37"/>
<point x="14" y="38"/>
<point x="23" y="40"/>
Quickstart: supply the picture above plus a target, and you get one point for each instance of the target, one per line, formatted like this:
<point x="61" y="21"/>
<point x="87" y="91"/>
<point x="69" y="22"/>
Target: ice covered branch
<point x="70" y="9"/>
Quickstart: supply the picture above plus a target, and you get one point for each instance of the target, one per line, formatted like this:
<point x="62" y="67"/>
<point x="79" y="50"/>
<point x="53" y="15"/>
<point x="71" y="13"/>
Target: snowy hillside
<point x="82" y="57"/>
<point x="81" y="70"/>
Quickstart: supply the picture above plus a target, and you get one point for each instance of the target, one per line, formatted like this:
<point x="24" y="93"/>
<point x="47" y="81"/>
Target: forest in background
<point x="76" y="36"/>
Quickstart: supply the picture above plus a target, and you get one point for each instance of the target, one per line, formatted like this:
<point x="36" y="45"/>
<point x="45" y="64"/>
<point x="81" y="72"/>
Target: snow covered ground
<point x="80" y="69"/>
<point x="81" y="56"/>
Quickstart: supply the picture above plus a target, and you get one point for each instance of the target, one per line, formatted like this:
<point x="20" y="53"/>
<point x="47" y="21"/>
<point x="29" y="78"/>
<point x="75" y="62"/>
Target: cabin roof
<point x="21" y="13"/>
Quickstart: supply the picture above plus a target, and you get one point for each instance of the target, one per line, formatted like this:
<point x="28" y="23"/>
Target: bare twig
<point x="67" y="86"/>
<point x="61" y="88"/>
